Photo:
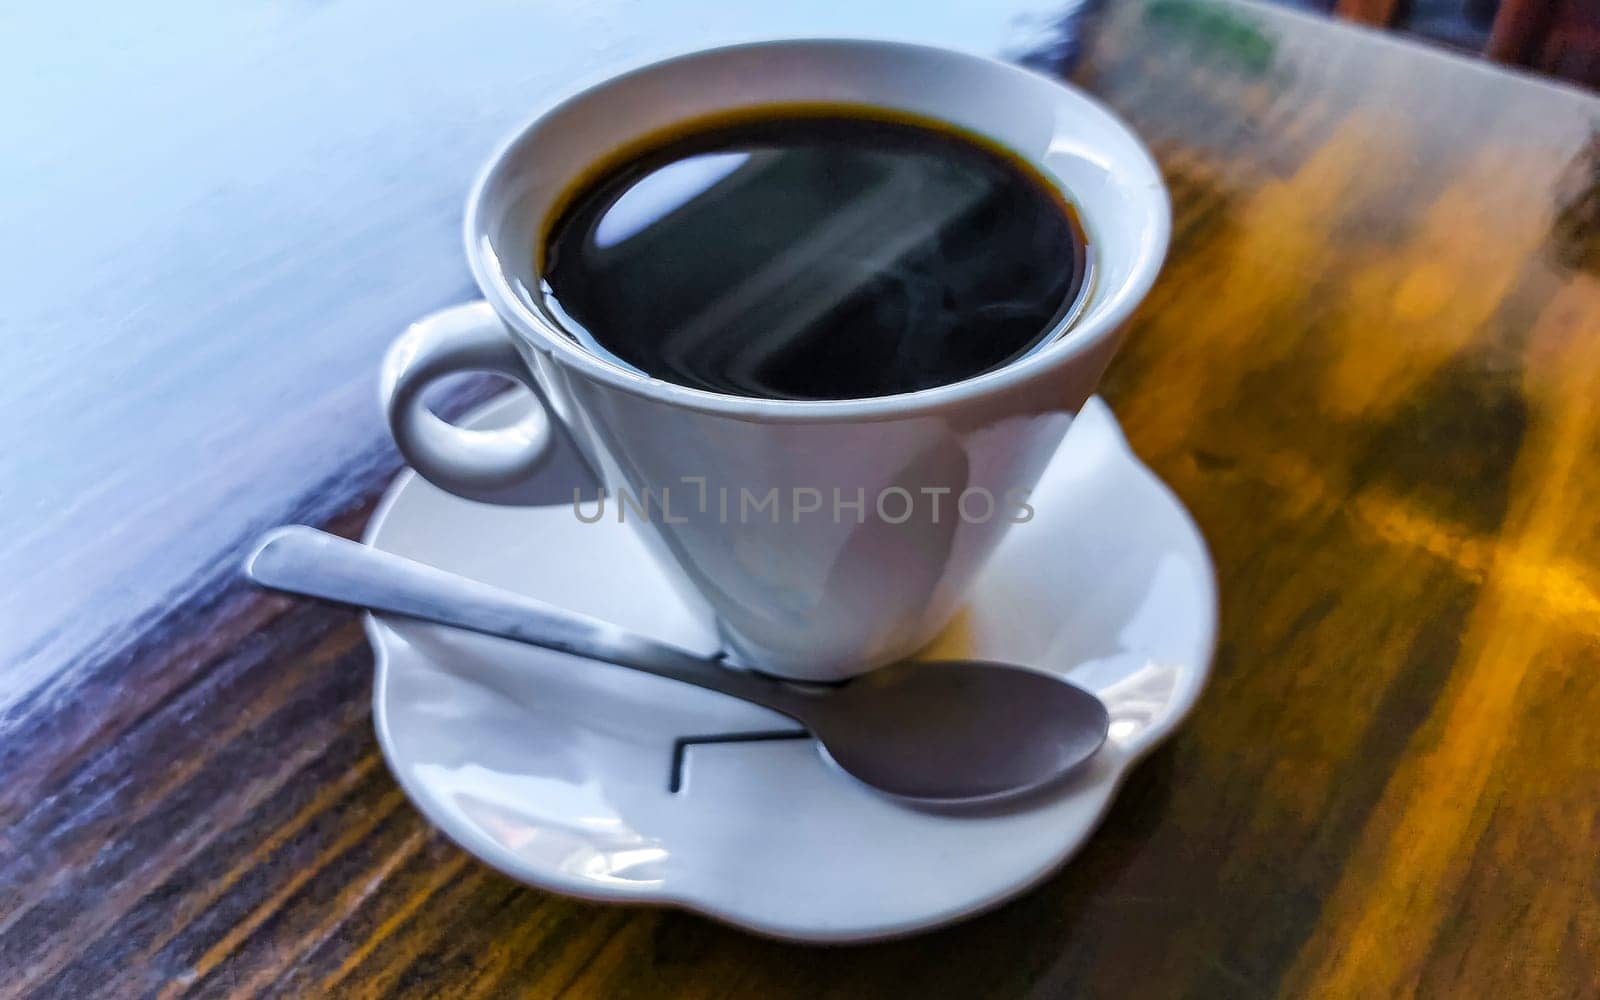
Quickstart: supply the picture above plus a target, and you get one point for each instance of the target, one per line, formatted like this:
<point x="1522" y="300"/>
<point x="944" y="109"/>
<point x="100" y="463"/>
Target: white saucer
<point x="561" y="772"/>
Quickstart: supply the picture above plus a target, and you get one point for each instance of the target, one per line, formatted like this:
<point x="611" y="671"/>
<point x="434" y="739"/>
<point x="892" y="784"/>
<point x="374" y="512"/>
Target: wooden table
<point x="1372" y="369"/>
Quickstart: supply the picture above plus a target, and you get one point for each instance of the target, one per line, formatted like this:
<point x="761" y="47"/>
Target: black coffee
<point x="813" y="256"/>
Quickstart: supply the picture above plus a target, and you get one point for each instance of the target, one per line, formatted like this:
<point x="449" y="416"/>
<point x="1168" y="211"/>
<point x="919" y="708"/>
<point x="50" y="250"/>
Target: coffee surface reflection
<point x="815" y="257"/>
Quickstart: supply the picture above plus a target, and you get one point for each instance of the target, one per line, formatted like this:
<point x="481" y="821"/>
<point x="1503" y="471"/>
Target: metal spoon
<point x="947" y="732"/>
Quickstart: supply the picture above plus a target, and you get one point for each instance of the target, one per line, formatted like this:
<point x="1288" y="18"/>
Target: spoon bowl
<point x="958" y="730"/>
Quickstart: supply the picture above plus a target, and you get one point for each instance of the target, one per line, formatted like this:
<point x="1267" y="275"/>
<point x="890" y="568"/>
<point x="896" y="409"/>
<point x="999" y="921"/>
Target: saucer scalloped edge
<point x="598" y="782"/>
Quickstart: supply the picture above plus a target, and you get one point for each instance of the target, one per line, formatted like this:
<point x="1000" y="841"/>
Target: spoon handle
<point x="302" y="560"/>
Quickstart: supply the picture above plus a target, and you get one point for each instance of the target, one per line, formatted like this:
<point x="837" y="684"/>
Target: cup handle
<point x="478" y="464"/>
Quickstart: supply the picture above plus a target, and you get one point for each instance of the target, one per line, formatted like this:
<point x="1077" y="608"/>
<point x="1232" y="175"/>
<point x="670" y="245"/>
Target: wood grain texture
<point x="1378" y="13"/>
<point x="1370" y="369"/>
<point x="1559" y="37"/>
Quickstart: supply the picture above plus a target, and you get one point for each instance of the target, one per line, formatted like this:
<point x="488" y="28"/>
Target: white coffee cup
<point x="813" y="594"/>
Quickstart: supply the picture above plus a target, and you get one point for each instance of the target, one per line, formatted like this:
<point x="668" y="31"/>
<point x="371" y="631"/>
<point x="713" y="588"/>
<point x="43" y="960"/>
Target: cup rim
<point x="1078" y="339"/>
